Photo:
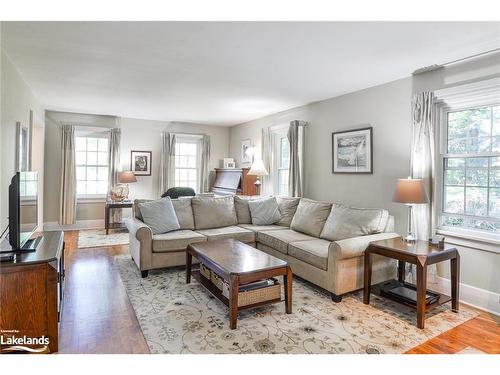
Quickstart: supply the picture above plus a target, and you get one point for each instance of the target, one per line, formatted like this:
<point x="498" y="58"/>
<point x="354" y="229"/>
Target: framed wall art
<point x="352" y="151"/>
<point x="140" y="162"/>
<point x="246" y="158"/>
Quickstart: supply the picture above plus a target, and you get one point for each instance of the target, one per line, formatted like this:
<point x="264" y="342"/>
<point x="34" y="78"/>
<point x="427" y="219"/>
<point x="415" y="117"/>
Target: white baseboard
<point x="80" y="224"/>
<point x="470" y="295"/>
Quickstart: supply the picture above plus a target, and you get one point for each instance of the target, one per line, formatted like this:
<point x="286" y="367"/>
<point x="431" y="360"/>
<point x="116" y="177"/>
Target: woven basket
<point x="205" y="271"/>
<point x="255" y="296"/>
<point x="216" y="280"/>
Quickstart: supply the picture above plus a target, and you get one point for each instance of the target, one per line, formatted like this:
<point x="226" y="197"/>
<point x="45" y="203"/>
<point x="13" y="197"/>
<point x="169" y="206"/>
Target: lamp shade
<point x="127" y="177"/>
<point x="410" y="191"/>
<point x="258" y="168"/>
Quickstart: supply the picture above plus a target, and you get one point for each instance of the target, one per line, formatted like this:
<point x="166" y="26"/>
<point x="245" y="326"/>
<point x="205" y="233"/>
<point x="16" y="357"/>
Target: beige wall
<point x="386" y="108"/>
<point x="479" y="267"/>
<point x="17" y="99"/>
<point x="145" y="135"/>
<point x="136" y="135"/>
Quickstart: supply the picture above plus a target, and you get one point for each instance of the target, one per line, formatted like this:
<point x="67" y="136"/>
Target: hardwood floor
<point x="482" y="333"/>
<point x="97" y="315"/>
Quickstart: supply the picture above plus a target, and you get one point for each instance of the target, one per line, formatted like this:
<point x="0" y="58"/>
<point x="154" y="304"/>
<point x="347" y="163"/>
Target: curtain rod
<point x="82" y="124"/>
<point x="434" y="67"/>
<point x="177" y="133"/>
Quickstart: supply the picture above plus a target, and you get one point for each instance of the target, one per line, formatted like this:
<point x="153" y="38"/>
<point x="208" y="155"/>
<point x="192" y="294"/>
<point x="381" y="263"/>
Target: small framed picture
<point x="352" y="151"/>
<point x="140" y="162"/>
<point x="246" y="158"/>
<point x="229" y="163"/>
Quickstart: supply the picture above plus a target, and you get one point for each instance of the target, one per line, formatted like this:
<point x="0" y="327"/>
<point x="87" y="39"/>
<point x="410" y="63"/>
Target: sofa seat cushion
<point x="235" y="232"/>
<point x="175" y="241"/>
<point x="279" y="239"/>
<point x="313" y="252"/>
<point x="261" y="228"/>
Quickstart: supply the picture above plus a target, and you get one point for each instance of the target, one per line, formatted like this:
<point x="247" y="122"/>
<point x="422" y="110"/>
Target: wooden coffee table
<point x="237" y="263"/>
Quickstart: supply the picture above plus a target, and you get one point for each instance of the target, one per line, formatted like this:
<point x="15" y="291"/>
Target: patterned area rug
<point x="470" y="350"/>
<point x="176" y="317"/>
<point x="98" y="237"/>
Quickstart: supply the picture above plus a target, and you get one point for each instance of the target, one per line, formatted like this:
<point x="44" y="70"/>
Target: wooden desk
<point x="422" y="254"/>
<point x="31" y="292"/>
<point x="114" y="205"/>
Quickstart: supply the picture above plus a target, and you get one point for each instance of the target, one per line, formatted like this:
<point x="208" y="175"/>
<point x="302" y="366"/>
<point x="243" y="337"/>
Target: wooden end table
<point x="114" y="205"/>
<point x="237" y="263"/>
<point x="422" y="254"/>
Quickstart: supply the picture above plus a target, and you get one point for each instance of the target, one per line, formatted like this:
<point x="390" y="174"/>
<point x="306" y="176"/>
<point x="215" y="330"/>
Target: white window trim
<point x="91" y="132"/>
<point x="478" y="94"/>
<point x="194" y="139"/>
<point x="277" y="132"/>
<point x="91" y="198"/>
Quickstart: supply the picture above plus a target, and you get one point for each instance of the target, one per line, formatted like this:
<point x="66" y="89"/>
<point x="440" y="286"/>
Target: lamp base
<point x="409" y="238"/>
<point x="257" y="184"/>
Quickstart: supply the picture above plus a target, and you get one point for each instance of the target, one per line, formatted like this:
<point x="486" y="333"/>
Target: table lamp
<point x="120" y="192"/>
<point x="258" y="169"/>
<point x="410" y="191"/>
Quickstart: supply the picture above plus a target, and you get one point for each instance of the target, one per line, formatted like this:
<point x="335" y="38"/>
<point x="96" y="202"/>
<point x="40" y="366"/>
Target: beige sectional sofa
<point x="323" y="242"/>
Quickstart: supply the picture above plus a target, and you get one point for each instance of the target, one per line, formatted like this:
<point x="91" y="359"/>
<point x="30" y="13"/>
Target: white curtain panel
<point x="204" y="164"/>
<point x="167" y="162"/>
<point x="423" y="130"/>
<point x="67" y="206"/>
<point x="267" y="157"/>
<point x="114" y="164"/>
<point x="296" y="139"/>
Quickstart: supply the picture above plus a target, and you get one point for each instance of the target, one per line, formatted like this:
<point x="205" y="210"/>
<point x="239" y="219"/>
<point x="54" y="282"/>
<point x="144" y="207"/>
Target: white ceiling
<point x="224" y="73"/>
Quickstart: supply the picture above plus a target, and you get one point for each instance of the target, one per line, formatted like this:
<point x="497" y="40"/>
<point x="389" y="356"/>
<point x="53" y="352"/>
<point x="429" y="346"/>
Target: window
<point x="281" y="161"/>
<point x="91" y="166"/>
<point x="186" y="156"/>
<point x="471" y="169"/>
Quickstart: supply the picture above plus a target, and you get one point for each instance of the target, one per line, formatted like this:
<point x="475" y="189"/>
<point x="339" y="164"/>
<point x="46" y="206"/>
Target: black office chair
<point x="176" y="192"/>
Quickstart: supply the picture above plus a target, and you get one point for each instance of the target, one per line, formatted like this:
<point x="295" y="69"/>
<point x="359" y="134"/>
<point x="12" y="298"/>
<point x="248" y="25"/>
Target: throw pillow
<point x="136" y="210"/>
<point x="159" y="215"/>
<point x="287" y="207"/>
<point x="264" y="211"/>
<point x="347" y="222"/>
<point x="310" y="216"/>
<point x="242" y="209"/>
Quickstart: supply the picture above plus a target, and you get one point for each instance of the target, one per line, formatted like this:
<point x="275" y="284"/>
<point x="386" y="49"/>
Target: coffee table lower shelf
<point x="377" y="290"/>
<point x="216" y="292"/>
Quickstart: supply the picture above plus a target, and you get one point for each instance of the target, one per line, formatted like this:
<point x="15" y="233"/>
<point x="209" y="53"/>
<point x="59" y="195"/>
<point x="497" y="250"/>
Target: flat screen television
<point x="23" y="210"/>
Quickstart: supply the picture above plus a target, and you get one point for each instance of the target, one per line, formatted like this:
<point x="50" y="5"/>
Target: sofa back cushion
<point x="159" y="215"/>
<point x="184" y="212"/>
<point x="264" y="211"/>
<point x="310" y="217"/>
<point x="287" y="207"/>
<point x="242" y="209"/>
<point x="347" y="222"/>
<point x="213" y="212"/>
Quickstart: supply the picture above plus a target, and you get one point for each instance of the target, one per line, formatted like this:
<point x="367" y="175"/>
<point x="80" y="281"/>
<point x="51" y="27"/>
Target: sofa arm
<point x="138" y="229"/>
<point x="356" y="246"/>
